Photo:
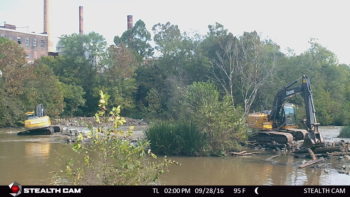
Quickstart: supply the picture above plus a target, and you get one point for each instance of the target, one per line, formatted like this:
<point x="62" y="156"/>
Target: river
<point x="32" y="159"/>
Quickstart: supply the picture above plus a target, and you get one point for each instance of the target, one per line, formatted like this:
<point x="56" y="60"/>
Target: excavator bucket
<point x="314" y="138"/>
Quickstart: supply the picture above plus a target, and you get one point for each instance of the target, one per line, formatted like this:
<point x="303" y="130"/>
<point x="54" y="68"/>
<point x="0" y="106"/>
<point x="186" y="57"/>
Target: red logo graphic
<point x="16" y="189"/>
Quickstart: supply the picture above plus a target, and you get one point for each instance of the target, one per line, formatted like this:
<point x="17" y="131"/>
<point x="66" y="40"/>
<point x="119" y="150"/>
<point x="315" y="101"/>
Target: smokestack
<point x="81" y="20"/>
<point x="46" y="16"/>
<point x="130" y="23"/>
<point x="47" y="29"/>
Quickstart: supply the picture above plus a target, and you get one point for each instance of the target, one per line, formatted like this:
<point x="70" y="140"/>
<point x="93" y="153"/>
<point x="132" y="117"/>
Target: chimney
<point x="8" y="26"/>
<point x="46" y="17"/>
<point x="130" y="24"/>
<point x="81" y="20"/>
<point x="47" y="29"/>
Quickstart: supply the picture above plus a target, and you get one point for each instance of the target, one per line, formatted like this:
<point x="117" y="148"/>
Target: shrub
<point x="175" y="138"/>
<point x="218" y="119"/>
<point x="345" y="132"/>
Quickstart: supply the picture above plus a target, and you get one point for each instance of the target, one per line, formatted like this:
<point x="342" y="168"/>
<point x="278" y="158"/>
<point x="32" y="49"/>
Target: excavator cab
<point x="288" y="116"/>
<point x="30" y="115"/>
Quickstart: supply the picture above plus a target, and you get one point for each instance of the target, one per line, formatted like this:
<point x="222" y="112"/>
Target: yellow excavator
<point x="38" y="123"/>
<point x="278" y="126"/>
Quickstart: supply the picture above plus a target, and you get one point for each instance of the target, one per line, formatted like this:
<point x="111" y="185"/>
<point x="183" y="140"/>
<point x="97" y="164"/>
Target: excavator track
<point x="41" y="131"/>
<point x="268" y="137"/>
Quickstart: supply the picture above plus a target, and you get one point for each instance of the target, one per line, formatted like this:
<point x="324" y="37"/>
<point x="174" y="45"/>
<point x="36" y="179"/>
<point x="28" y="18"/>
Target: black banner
<point x="16" y="189"/>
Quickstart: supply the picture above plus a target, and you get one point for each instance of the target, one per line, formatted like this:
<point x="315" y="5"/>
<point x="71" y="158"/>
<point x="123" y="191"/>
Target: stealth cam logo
<point x="16" y="189"/>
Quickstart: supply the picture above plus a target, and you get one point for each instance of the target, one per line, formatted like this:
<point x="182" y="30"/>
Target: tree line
<point x="170" y="76"/>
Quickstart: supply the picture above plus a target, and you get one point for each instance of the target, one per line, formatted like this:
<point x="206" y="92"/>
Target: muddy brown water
<point x="32" y="159"/>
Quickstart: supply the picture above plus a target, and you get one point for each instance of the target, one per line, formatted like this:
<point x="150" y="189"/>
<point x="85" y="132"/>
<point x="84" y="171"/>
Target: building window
<point x="27" y="42"/>
<point x="19" y="41"/>
<point x="42" y="43"/>
<point x="34" y="42"/>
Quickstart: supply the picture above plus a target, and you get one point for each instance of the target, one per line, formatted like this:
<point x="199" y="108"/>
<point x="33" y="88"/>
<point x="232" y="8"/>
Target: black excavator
<point x="279" y="125"/>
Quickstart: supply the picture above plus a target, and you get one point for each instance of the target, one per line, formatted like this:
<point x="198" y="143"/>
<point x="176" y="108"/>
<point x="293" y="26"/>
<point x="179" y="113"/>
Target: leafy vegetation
<point x="109" y="157"/>
<point x="221" y="123"/>
<point x="345" y="132"/>
<point x="175" y="138"/>
<point x="23" y="86"/>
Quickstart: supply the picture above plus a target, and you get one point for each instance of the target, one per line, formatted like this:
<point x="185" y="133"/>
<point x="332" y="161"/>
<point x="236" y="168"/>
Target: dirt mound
<point x="90" y="121"/>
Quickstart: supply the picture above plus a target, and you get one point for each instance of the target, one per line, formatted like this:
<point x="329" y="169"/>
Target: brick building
<point x="35" y="45"/>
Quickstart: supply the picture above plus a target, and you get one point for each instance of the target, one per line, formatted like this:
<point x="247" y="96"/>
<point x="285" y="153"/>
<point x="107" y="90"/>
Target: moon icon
<point x="256" y="190"/>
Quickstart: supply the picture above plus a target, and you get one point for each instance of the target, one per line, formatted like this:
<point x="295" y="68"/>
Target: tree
<point x="43" y="88"/>
<point x="23" y="86"/>
<point x="73" y="99"/>
<point x="83" y="58"/>
<point x="69" y="83"/>
<point x="167" y="37"/>
<point x="14" y="75"/>
<point x="118" y="77"/>
<point x="136" y="39"/>
<point x="242" y="66"/>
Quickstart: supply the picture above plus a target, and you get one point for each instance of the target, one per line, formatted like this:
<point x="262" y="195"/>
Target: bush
<point x="175" y="138"/>
<point x="218" y="119"/>
<point x="345" y="132"/>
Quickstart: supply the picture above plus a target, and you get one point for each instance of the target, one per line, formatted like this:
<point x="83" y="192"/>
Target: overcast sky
<point x="290" y="24"/>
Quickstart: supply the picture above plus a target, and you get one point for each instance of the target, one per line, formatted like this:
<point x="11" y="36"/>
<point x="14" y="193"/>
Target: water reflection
<point x="38" y="150"/>
<point x="248" y="171"/>
<point x="230" y="171"/>
<point x="312" y="176"/>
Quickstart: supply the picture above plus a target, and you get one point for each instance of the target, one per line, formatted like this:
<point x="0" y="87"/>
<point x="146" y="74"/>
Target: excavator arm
<point x="289" y="91"/>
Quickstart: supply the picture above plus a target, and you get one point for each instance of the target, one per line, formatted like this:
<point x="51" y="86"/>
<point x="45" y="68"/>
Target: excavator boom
<point x="289" y="91"/>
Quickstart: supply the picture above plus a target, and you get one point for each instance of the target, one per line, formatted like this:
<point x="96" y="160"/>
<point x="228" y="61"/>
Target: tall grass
<point x="175" y="138"/>
<point x="345" y="132"/>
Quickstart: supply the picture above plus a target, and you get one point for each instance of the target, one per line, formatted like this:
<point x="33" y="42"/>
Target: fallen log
<point x="322" y="150"/>
<point x="311" y="162"/>
<point x="312" y="154"/>
<point x="272" y="157"/>
<point x="242" y="153"/>
<point x="238" y="153"/>
<point x="338" y="154"/>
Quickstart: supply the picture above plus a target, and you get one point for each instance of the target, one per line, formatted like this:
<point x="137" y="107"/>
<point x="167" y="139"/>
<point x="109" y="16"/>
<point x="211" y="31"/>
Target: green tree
<point x="118" y="78"/>
<point x="14" y="75"/>
<point x="82" y="59"/>
<point x="23" y="86"/>
<point x="240" y="65"/>
<point x="43" y="88"/>
<point x="137" y="39"/>
<point x="73" y="93"/>
<point x="73" y="99"/>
